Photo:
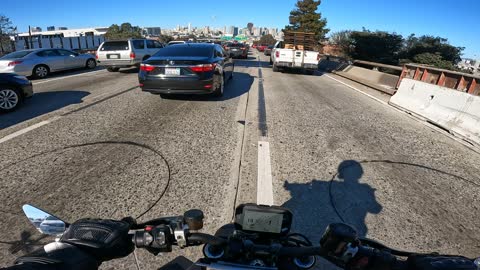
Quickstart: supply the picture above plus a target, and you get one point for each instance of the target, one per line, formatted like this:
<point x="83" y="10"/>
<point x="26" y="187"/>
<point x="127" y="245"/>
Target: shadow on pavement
<point x="26" y="243"/>
<point x="237" y="86"/>
<point x="41" y="103"/>
<point x="129" y="70"/>
<point x="64" y="73"/>
<point x="251" y="63"/>
<point x="344" y="198"/>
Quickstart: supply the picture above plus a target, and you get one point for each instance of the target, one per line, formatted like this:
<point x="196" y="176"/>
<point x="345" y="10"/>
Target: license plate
<point x="235" y="50"/>
<point x="172" y="71"/>
<point x="113" y="56"/>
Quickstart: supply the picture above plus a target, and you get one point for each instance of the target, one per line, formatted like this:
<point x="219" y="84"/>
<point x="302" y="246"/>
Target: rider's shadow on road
<point x="344" y="198"/>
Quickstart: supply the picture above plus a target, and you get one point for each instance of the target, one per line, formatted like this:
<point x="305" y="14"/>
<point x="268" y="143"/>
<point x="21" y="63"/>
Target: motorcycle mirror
<point x="44" y="222"/>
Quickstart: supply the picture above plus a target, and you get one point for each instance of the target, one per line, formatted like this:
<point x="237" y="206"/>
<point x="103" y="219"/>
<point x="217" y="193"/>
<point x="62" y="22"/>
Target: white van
<point x="116" y="54"/>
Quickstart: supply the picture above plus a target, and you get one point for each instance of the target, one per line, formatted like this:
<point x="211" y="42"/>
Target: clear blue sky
<point x="457" y="20"/>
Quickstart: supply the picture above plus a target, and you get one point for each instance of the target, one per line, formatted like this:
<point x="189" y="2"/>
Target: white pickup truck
<point x="293" y="56"/>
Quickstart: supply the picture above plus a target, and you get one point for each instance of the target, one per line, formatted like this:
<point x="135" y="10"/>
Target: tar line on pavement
<point x="262" y="112"/>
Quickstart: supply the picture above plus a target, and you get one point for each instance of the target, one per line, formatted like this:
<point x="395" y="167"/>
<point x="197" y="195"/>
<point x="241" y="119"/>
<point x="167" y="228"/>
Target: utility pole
<point x="30" y="46"/>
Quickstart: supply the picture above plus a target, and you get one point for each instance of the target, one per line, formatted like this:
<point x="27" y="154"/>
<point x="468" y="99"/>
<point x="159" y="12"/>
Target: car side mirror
<point x="44" y="222"/>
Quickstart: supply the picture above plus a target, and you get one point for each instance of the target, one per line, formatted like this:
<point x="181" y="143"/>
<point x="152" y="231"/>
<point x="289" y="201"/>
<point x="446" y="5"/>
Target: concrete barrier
<point x="377" y="77"/>
<point x="450" y="109"/>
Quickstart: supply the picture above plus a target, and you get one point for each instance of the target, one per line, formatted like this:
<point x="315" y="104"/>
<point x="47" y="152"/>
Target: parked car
<point x="268" y="50"/>
<point x="14" y="89"/>
<point x="254" y="46"/>
<point x="40" y="63"/>
<point x="193" y="68"/>
<point x="126" y="53"/>
<point x="237" y="50"/>
<point x="175" y="42"/>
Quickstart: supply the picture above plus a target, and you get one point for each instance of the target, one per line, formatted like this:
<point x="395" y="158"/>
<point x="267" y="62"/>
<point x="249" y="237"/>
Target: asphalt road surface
<point x="94" y="145"/>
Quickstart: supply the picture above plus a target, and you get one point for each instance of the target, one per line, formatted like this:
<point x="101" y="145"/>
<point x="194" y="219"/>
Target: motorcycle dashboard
<point x="272" y="220"/>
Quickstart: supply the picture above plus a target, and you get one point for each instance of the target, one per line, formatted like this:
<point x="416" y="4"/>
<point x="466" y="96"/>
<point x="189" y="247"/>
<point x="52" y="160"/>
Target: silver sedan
<point x="40" y="62"/>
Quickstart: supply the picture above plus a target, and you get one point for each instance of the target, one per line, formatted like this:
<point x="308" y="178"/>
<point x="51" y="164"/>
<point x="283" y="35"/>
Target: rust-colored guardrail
<point x="463" y="82"/>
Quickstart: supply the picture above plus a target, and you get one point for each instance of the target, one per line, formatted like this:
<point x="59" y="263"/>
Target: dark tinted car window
<point x="235" y="45"/>
<point x="48" y="53"/>
<point x="14" y="55"/>
<point x="65" y="52"/>
<point x="139" y="44"/>
<point x="115" y="46"/>
<point x="186" y="50"/>
<point x="150" y="44"/>
<point x="157" y="44"/>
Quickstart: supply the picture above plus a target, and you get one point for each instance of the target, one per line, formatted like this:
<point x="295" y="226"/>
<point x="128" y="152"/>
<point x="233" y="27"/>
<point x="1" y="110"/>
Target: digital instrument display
<point x="262" y="221"/>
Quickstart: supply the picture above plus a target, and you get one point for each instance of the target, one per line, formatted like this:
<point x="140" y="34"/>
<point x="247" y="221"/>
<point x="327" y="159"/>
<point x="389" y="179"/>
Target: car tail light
<point x="277" y="54"/>
<point x="132" y="55"/>
<point x="203" y="68"/>
<point x="318" y="57"/>
<point x="14" y="63"/>
<point x="146" y="67"/>
<point x="96" y="56"/>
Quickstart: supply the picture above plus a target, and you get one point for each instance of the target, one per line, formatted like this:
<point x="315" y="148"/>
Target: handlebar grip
<point x="206" y="239"/>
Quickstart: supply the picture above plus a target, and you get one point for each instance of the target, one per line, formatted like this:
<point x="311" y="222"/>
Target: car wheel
<point x="111" y="69"/>
<point x="91" y="64"/>
<point x="219" y="86"/>
<point x="41" y="71"/>
<point x="9" y="99"/>
<point x="274" y="68"/>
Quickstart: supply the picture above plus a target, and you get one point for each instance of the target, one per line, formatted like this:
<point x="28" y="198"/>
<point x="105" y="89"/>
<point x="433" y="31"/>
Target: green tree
<point x="305" y="18"/>
<point x="125" y="30"/>
<point x="6" y="29"/>
<point x="267" y="40"/>
<point x="376" y="46"/>
<point x="433" y="59"/>
<point x="435" y="51"/>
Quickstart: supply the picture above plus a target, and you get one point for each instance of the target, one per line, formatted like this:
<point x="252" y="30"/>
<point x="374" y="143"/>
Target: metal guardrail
<point x="463" y="82"/>
<point x="373" y="64"/>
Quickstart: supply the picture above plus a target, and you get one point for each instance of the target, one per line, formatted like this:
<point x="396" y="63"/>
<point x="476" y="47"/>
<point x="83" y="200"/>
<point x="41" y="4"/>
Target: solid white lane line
<point x="27" y="129"/>
<point x="264" y="175"/>
<point x="362" y="92"/>
<point x="64" y="77"/>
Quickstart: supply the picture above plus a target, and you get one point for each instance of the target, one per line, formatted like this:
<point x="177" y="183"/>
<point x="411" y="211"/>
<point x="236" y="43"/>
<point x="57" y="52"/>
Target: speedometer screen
<point x="262" y="221"/>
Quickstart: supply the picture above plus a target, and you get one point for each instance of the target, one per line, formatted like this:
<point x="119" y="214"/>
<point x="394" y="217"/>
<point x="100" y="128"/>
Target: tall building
<point x="50" y="28"/>
<point x="189" y="27"/>
<point x="233" y="30"/>
<point x="62" y="28"/>
<point x="153" y="31"/>
<point x="224" y="30"/>
<point x="250" y="28"/>
<point x="256" y="31"/>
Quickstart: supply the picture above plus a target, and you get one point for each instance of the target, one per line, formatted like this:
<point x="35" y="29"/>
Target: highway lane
<point x="66" y="89"/>
<point x="98" y="162"/>
<point x="110" y="160"/>
<point x="349" y="158"/>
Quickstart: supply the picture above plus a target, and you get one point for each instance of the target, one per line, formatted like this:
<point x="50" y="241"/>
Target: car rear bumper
<point x="118" y="63"/>
<point x="290" y="65"/>
<point x="180" y="85"/>
<point x="23" y="70"/>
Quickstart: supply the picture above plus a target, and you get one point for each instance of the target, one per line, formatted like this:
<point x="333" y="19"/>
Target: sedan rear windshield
<point x="18" y="54"/>
<point x="186" y="50"/>
<point x="115" y="46"/>
<point x="235" y="45"/>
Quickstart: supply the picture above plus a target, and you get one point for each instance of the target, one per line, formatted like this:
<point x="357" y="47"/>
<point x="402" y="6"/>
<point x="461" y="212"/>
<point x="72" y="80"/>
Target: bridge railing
<point x="463" y="82"/>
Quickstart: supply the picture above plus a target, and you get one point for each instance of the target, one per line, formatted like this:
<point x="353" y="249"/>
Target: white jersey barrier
<point x="450" y="109"/>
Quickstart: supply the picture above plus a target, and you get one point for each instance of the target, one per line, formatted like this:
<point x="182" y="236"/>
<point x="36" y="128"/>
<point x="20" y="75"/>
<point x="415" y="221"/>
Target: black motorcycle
<point x="260" y="238"/>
